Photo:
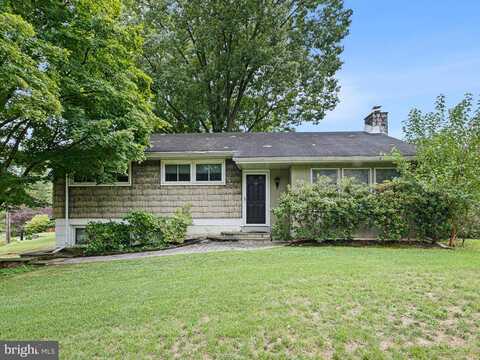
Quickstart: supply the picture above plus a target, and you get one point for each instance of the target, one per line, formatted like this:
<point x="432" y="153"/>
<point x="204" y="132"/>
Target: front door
<point x="256" y="198"/>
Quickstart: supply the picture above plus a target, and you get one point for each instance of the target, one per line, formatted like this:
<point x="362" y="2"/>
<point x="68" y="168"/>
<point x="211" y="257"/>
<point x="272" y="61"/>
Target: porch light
<point x="277" y="182"/>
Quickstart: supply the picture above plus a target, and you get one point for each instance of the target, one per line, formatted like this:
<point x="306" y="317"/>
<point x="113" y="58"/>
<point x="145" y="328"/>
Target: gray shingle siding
<point x="146" y="193"/>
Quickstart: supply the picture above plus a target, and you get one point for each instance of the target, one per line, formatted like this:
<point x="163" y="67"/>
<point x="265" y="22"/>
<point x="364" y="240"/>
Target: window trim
<point x="381" y="168"/>
<point x="193" y="172"/>
<point x="316" y="168"/>
<point x="364" y="168"/>
<point x="72" y="183"/>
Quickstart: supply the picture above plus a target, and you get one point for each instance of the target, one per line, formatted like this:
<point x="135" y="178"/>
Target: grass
<point x="306" y="302"/>
<point x="44" y="241"/>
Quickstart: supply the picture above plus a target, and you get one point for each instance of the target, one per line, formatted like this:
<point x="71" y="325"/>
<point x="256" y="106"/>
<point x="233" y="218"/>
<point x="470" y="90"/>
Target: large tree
<point x="448" y="155"/>
<point x="72" y="98"/>
<point x="243" y="65"/>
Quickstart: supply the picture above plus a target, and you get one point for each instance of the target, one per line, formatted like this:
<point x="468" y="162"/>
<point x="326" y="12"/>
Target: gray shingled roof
<point x="284" y="144"/>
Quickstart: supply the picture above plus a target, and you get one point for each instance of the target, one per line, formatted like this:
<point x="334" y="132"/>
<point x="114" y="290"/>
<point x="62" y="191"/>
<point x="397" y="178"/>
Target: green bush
<point x="138" y="229"/>
<point x="39" y="223"/>
<point x="144" y="228"/>
<point x="175" y="228"/>
<point x="471" y="224"/>
<point x="321" y="211"/>
<point x="106" y="237"/>
<point x="396" y="210"/>
<point x="404" y="208"/>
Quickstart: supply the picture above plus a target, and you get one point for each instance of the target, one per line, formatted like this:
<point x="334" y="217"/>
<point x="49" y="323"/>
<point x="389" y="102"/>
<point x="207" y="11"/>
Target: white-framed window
<point x="121" y="179"/>
<point x="362" y="175"/>
<point x="80" y="236"/>
<point x="383" y="174"/>
<point x="193" y="172"/>
<point x="332" y="173"/>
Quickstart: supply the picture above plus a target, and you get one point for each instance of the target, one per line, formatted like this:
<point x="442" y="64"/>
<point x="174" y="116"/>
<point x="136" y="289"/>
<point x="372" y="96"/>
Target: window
<point x="121" y="179"/>
<point x="382" y="175"/>
<point x="332" y="174"/>
<point x="193" y="172"/>
<point x="208" y="172"/>
<point x="80" y="236"/>
<point x="360" y="175"/>
<point x="177" y="173"/>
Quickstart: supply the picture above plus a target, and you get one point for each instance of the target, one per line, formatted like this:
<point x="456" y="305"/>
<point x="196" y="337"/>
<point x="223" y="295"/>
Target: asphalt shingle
<point x="284" y="144"/>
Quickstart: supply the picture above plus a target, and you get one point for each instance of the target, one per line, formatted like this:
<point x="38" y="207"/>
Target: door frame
<point x="244" y="196"/>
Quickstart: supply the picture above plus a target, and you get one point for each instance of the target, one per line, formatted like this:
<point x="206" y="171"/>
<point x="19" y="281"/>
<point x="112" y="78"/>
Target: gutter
<point x="189" y="154"/>
<point x="314" y="159"/>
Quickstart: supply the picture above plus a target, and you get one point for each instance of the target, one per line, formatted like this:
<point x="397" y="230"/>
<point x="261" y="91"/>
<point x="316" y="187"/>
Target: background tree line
<point x="85" y="82"/>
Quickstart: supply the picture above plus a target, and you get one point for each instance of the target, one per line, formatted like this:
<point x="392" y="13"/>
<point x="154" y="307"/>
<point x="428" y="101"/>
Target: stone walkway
<point x="202" y="247"/>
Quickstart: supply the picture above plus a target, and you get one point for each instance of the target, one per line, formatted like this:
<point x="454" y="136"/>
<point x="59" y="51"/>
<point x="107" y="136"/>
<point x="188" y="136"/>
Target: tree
<point x="72" y="97"/>
<point x="243" y="65"/>
<point x="448" y="154"/>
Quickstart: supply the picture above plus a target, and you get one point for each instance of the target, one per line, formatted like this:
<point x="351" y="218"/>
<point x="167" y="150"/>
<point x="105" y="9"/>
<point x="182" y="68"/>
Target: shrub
<point x="38" y="224"/>
<point x="396" y="209"/>
<point x="321" y="211"/>
<point x="175" y="228"/>
<point x="404" y="208"/>
<point x="144" y="228"/>
<point x="138" y="228"/>
<point x="19" y="217"/>
<point x="471" y="224"/>
<point x="106" y="237"/>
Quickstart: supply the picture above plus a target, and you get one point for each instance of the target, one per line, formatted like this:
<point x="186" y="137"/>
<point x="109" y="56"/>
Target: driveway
<point x="203" y="247"/>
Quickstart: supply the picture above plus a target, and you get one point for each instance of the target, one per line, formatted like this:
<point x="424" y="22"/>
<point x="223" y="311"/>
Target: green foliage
<point x="144" y="228"/>
<point x="404" y="208"/>
<point x="448" y="143"/>
<point x="395" y="210"/>
<point x="243" y="65"/>
<point x="29" y="103"/>
<point x="138" y="229"/>
<point x="321" y="211"/>
<point x="106" y="237"/>
<point x="175" y="228"/>
<point x="73" y="99"/>
<point x="39" y="223"/>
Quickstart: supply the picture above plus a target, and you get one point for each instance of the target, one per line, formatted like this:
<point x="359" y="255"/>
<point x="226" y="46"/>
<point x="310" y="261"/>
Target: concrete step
<point x="246" y="236"/>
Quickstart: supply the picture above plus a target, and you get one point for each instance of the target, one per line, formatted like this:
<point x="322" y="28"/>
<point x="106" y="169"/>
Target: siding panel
<point x="146" y="193"/>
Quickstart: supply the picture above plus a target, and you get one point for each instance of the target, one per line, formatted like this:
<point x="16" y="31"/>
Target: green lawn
<point x="309" y="302"/>
<point x="44" y="241"/>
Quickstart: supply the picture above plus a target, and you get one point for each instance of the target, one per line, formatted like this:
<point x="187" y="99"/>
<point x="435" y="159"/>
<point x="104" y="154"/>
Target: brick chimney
<point x="377" y="121"/>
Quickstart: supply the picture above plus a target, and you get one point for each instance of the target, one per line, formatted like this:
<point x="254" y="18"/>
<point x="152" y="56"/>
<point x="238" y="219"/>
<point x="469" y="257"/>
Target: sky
<point x="402" y="55"/>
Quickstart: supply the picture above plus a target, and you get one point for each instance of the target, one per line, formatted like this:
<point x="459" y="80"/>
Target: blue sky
<point x="402" y="54"/>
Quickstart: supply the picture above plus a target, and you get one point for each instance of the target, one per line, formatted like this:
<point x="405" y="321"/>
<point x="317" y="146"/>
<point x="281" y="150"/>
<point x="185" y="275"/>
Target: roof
<point x="282" y="144"/>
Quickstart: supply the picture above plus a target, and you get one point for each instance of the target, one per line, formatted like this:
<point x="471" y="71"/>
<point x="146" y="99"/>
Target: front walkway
<point x="203" y="247"/>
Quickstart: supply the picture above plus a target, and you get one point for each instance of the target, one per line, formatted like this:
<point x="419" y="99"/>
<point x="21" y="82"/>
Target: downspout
<point x="67" y="227"/>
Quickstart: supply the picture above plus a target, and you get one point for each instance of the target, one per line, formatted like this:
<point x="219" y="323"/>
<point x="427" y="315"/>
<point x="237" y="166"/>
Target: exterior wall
<point x="146" y="193"/>
<point x="284" y="176"/>
<point x="200" y="227"/>
<point x="215" y="208"/>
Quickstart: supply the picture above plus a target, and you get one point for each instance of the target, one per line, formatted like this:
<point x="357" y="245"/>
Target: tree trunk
<point x="453" y="236"/>
<point x="8" y="231"/>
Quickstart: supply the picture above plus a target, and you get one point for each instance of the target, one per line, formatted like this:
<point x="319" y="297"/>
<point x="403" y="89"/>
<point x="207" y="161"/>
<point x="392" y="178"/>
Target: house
<point x="231" y="180"/>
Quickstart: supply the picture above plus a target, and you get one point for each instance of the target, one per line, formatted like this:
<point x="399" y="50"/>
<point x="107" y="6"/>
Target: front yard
<point x="43" y="241"/>
<point x="307" y="302"/>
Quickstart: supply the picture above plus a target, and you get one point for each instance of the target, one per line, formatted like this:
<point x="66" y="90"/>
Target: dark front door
<point x="256" y="196"/>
